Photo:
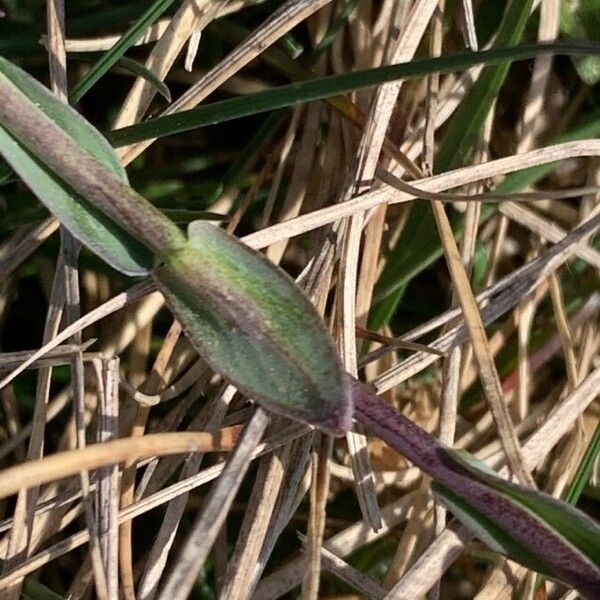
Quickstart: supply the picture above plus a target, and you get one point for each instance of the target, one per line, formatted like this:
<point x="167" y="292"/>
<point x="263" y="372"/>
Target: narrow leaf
<point x="135" y="67"/>
<point x="327" y="87"/>
<point x="118" y="50"/>
<point x="572" y="524"/>
<point x="489" y="532"/>
<point x="107" y="239"/>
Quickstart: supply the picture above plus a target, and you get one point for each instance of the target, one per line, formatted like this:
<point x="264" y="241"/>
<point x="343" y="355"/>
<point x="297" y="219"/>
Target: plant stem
<point x="536" y="539"/>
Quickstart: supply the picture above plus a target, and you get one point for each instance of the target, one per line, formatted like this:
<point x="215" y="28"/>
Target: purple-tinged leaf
<point x="524" y="524"/>
<point x="252" y="324"/>
<point x="105" y="237"/>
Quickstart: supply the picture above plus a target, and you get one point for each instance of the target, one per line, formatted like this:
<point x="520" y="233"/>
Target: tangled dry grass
<point x="351" y="199"/>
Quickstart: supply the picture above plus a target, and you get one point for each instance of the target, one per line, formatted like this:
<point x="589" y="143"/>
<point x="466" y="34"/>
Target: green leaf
<point x="581" y="19"/>
<point x="496" y="537"/>
<point x="245" y="317"/>
<point x="524" y="524"/>
<point x="328" y="87"/>
<point x="107" y="239"/>
<point x="135" y="67"/>
<point x="66" y="117"/>
<point x="118" y="50"/>
<point x="249" y="321"/>
<point x="573" y="525"/>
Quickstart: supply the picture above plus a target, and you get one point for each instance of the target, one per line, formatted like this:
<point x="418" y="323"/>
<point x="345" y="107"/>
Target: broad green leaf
<point x="251" y="324"/>
<point x="66" y="117"/>
<point x="580" y="19"/>
<point x="107" y="239"/>
<point x="245" y="317"/>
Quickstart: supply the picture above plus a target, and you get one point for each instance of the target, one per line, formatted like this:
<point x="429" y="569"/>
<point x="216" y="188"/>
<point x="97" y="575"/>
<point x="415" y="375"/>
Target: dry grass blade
<point x="487" y="369"/>
<point x="294" y="488"/>
<point x="319" y="489"/>
<point x="116" y="303"/>
<point x="370" y="146"/>
<point x="267" y="485"/>
<point x="413" y="535"/>
<point x="437" y="183"/>
<point x="355" y="579"/>
<point x="280" y="22"/>
<point x="149" y="503"/>
<point x="547" y="230"/>
<point x="60" y="355"/>
<point x="23" y="523"/>
<point x="505" y="294"/>
<point x="70" y="462"/>
<point x="71" y="248"/>
<point x="129" y="472"/>
<point x="106" y="42"/>
<point x="395" y="342"/>
<point x="206" y="528"/>
<point x="108" y="481"/>
<point x="210" y="418"/>
<point x="192" y="15"/>
<point x="23" y="243"/>
<point x="343" y="543"/>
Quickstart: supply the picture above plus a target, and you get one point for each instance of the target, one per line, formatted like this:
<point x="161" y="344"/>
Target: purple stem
<point x="563" y="560"/>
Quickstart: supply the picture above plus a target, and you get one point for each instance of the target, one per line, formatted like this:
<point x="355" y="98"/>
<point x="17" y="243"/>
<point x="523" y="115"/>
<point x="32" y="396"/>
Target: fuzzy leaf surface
<point x="101" y="234"/>
<point x="252" y="324"/>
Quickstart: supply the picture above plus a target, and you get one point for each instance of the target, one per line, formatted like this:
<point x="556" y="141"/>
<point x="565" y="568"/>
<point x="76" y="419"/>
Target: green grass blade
<point x="585" y="468"/>
<point x="327" y="87"/>
<point x="118" y="50"/>
<point x="420" y="235"/>
<point x="134" y="67"/>
<point x="468" y="119"/>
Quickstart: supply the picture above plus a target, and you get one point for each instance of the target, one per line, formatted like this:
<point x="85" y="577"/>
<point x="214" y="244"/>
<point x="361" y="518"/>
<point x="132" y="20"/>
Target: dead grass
<point x="527" y="327"/>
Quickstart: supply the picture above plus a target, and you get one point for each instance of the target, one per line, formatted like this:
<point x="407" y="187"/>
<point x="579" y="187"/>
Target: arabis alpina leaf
<point x="101" y="234"/>
<point x="245" y="316"/>
<point x="530" y="527"/>
<point x="528" y="541"/>
<point x="252" y="324"/>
